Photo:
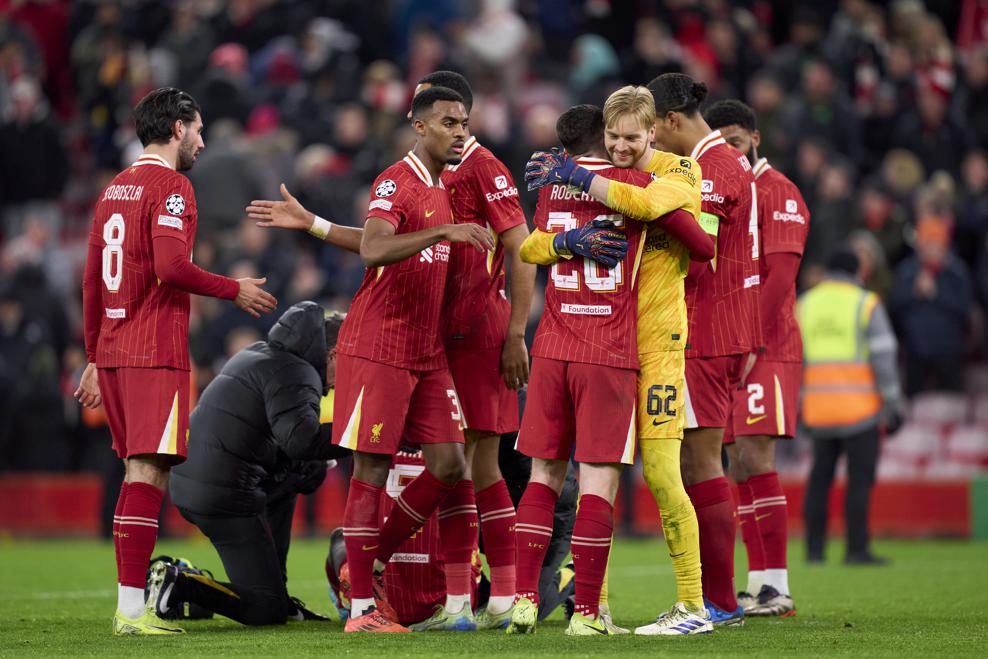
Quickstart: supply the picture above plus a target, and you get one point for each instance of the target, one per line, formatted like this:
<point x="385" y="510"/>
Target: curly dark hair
<point x="581" y="128"/>
<point x="730" y="113"/>
<point x="451" y="80"/>
<point x="677" y="92"/>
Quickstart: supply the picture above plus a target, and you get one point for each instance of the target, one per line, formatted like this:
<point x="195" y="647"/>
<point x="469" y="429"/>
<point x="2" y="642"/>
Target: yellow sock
<point x="660" y="464"/>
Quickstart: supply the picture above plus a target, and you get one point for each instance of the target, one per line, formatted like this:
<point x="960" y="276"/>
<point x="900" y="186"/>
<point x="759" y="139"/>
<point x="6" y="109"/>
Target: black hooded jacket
<point x="258" y="416"/>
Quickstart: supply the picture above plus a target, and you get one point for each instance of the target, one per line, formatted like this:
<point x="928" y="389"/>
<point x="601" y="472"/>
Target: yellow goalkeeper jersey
<point x="662" y="321"/>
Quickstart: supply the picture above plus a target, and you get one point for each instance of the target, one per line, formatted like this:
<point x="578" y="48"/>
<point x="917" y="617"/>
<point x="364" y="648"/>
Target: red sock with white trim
<point x="591" y="545"/>
<point x="752" y="539"/>
<point x="117" y="514"/>
<point x="715" y="514"/>
<point x="532" y="534"/>
<point x="497" y="523"/>
<point x="138" y="531"/>
<point x="411" y="509"/>
<point x="458" y="536"/>
<point x="772" y="517"/>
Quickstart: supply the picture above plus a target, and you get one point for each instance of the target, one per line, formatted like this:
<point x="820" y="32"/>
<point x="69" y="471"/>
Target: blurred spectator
<point x="189" y="40"/>
<point x="973" y="98"/>
<point x="930" y="303"/>
<point x="972" y="207"/>
<point x="873" y="268"/>
<point x="652" y="53"/>
<point x="931" y="133"/>
<point x="32" y="160"/>
<point x="831" y="208"/>
<point x="594" y="71"/>
<point x="823" y="110"/>
<point x="880" y="216"/>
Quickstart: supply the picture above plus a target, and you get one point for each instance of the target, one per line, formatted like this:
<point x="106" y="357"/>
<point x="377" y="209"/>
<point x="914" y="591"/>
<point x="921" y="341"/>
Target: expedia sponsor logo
<point x="779" y="216"/>
<point x="656" y="241"/>
<point x="501" y="182"/>
<point x="438" y="252"/>
<point x="686" y="173"/>
<point x="504" y="194"/>
<point x="753" y="280"/>
<point x="713" y="197"/>
<point x="564" y="192"/>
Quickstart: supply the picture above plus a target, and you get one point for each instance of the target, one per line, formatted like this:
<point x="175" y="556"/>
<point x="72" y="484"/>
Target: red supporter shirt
<point x="722" y="301"/>
<point x="395" y="316"/>
<point x="591" y="313"/>
<point x="784" y="222"/>
<point x="481" y="191"/>
<point x="144" y="322"/>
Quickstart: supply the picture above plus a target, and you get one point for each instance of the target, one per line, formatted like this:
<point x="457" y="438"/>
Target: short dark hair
<point x="334" y="320"/>
<point x="730" y="113"/>
<point x="424" y="100"/>
<point x="845" y="260"/>
<point x="581" y="128"/>
<point x="676" y="92"/>
<point x="451" y="80"/>
<point x="156" y="113"/>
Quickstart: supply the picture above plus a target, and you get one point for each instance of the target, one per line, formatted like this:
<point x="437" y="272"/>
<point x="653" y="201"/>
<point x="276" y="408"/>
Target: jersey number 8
<point x="592" y="271"/>
<point x="113" y="236"/>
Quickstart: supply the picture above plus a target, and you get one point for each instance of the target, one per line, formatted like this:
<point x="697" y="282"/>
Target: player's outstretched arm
<point x="521" y="283"/>
<point x="290" y="214"/>
<point x="382" y="246"/>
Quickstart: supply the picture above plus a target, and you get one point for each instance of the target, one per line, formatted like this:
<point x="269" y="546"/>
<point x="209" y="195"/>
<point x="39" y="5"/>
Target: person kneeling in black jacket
<point x="255" y="442"/>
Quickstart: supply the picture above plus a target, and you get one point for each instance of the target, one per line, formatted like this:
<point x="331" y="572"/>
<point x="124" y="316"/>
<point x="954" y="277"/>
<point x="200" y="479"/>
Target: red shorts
<point x="488" y="405"/>
<point x="768" y="403"/>
<point x="377" y="406"/>
<point x="593" y="406"/>
<point x="147" y="410"/>
<point x="710" y="383"/>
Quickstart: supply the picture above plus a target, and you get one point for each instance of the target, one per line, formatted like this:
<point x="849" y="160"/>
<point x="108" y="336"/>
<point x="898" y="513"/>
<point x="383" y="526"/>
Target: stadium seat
<point x="915" y="445"/>
<point x="968" y="445"/>
<point x="940" y="409"/>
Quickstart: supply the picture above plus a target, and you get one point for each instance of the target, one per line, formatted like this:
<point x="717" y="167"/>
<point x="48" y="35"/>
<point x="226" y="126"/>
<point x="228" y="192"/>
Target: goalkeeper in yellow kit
<point x="671" y="243"/>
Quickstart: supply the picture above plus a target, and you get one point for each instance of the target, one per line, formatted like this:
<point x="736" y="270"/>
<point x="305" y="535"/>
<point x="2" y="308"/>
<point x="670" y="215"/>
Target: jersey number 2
<point x="601" y="283"/>
<point x="113" y="236"/>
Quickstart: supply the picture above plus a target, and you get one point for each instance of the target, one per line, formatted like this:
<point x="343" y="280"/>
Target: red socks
<point x="497" y="523"/>
<point x="591" y="545"/>
<point x="532" y="534"/>
<point x="749" y="529"/>
<point x="410" y="511"/>
<point x="117" y="514"/>
<point x="361" y="536"/>
<point x="771" y="516"/>
<point x="458" y="535"/>
<point x="137" y="531"/>
<point x="715" y="515"/>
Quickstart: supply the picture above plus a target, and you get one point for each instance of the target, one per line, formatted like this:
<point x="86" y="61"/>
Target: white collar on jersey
<point x="151" y="159"/>
<point x="761" y="167"/>
<point x="420" y="169"/>
<point x="708" y="142"/>
<point x="593" y="164"/>
<point x="468" y="148"/>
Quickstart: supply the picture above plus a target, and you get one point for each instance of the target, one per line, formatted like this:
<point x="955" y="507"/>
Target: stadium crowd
<point x="877" y="112"/>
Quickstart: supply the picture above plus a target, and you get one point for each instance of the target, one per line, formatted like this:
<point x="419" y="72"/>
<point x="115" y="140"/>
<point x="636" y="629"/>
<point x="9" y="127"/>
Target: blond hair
<point x="632" y="100"/>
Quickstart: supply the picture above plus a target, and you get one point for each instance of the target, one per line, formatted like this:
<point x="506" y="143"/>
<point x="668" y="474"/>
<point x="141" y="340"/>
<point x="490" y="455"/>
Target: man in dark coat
<point x="255" y="442"/>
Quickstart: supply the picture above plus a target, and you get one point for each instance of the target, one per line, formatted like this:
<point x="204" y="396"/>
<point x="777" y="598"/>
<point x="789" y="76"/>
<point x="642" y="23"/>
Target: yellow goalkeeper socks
<point x="660" y="462"/>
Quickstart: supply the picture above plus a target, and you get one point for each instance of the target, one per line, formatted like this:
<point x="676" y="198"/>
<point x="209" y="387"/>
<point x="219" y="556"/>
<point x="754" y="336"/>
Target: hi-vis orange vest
<point x="838" y="383"/>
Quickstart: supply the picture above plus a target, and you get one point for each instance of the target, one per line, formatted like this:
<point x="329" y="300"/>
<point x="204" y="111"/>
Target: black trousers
<point x="254" y="551"/>
<point x="862" y="462"/>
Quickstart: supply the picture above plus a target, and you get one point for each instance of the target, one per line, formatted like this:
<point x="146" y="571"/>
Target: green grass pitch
<point x="57" y="598"/>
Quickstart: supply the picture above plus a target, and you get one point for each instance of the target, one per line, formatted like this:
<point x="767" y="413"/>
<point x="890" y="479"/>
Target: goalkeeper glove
<point x="598" y="241"/>
<point x="556" y="167"/>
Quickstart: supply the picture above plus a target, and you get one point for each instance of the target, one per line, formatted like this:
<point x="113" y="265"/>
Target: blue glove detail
<point x="556" y="168"/>
<point x="598" y="241"/>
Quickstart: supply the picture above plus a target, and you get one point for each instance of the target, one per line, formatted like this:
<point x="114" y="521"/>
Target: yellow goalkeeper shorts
<point x="661" y="380"/>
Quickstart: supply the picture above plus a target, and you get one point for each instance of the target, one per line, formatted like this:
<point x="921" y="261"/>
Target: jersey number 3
<point x="113" y="236"/>
<point x="597" y="277"/>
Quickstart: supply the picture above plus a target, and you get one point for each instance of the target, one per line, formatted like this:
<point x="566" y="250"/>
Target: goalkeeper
<point x="629" y="116"/>
<point x="255" y="442"/>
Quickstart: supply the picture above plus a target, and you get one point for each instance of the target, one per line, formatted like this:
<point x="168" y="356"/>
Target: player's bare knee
<point x="600" y="480"/>
<point x="757" y="455"/>
<point x="445" y="461"/>
<point x="736" y="463"/>
<point x="551" y="473"/>
<point x="371" y="468"/>
<point x="148" y="469"/>
<point x="484" y="463"/>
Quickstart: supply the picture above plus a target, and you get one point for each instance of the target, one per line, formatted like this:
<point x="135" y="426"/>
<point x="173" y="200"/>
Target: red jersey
<point x="722" y="301"/>
<point x="144" y="322"/>
<point x="784" y="222"/>
<point x="394" y="317"/>
<point x="591" y="313"/>
<point x="415" y="577"/>
<point x="481" y="191"/>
